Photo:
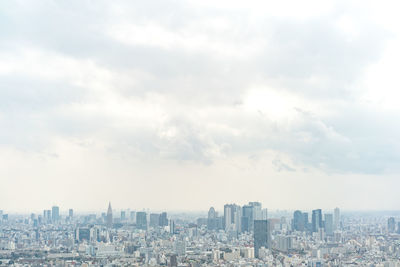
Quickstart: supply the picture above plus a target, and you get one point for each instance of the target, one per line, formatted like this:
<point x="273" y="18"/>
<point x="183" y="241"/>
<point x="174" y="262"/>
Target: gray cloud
<point x="196" y="75"/>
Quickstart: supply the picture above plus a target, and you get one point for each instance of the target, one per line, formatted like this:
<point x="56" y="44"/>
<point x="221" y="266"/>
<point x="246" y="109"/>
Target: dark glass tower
<point x="261" y="235"/>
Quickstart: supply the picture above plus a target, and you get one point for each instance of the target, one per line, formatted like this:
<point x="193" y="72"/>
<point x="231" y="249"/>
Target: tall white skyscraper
<point x="227" y="217"/>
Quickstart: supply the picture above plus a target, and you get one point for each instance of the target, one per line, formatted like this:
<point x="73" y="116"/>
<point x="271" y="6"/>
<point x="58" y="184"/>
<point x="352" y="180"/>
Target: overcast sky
<point x="183" y="105"/>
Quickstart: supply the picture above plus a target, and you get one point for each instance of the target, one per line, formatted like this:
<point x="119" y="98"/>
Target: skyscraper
<point x="109" y="218"/>
<point x="391" y="225"/>
<point x="227" y="216"/>
<point x="211" y="219"/>
<point x="55" y="214"/>
<point x="123" y="215"/>
<point x="141" y="220"/>
<point x="298" y="221"/>
<point x="336" y="219"/>
<point x="316" y="220"/>
<point x="154" y="219"/>
<point x="70" y="213"/>
<point x="257" y="210"/>
<point x="329" y="224"/>
<point x="247" y="218"/>
<point x="261" y="235"/>
<point x="163" y="219"/>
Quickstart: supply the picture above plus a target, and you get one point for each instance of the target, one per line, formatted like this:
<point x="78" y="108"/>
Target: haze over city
<point x="184" y="105"/>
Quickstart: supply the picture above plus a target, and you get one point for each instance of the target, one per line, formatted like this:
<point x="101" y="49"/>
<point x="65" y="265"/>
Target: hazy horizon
<point x="184" y="105"/>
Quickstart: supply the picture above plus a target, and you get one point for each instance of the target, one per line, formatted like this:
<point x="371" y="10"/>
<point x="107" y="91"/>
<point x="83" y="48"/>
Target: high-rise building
<point x="55" y="214"/>
<point x="247" y="218"/>
<point x="237" y="218"/>
<point x="232" y="217"/>
<point x="261" y="235"/>
<point x="70" y="213"/>
<point x="316" y="220"/>
<point x="163" y="220"/>
<point x="154" y="219"/>
<point x="227" y="216"/>
<point x="132" y="216"/>
<point x="307" y="225"/>
<point x="298" y="221"/>
<point x="211" y="219"/>
<point x="336" y="219"/>
<point x="109" y="218"/>
<point x="391" y="225"/>
<point x="257" y="212"/>
<point x="171" y="227"/>
<point x="329" y="224"/>
<point x="141" y="220"/>
<point x="123" y="215"/>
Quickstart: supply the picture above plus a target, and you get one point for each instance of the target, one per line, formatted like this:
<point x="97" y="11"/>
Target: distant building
<point x="329" y="224"/>
<point x="163" y="221"/>
<point x="232" y="217"/>
<point x="82" y="234"/>
<point x="247" y="218"/>
<point x="109" y="218"/>
<point x="70" y="213"/>
<point x="261" y="235"/>
<point x="154" y="219"/>
<point x="316" y="220"/>
<point x="298" y="221"/>
<point x="171" y="227"/>
<point x="391" y="225"/>
<point x="132" y="216"/>
<point x="336" y="219"/>
<point x="55" y="214"/>
<point x="141" y="220"/>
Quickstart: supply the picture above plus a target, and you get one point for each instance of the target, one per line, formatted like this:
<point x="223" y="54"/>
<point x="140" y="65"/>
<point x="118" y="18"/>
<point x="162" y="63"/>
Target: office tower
<point x="123" y="215"/>
<point x="264" y="214"/>
<point x="232" y="217"/>
<point x="70" y="213"/>
<point x="171" y="227"/>
<point x="336" y="214"/>
<point x="154" y="219"/>
<point x="237" y="218"/>
<point x="141" y="220"/>
<point x="391" y="225"/>
<point x="132" y="216"/>
<point x="329" y="224"/>
<point x="257" y="213"/>
<point x="163" y="220"/>
<point x="48" y="216"/>
<point x="82" y="233"/>
<point x="298" y="221"/>
<point x="55" y="214"/>
<point x="227" y="216"/>
<point x="307" y="225"/>
<point x="109" y="218"/>
<point x="398" y="227"/>
<point x="316" y="220"/>
<point x="247" y="218"/>
<point x="261" y="235"/>
<point x="211" y="219"/>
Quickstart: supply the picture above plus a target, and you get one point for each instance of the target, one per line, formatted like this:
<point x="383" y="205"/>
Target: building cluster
<point x="247" y="235"/>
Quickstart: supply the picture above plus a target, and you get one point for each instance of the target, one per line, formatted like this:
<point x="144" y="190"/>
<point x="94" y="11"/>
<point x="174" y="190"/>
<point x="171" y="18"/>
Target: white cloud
<point x="199" y="94"/>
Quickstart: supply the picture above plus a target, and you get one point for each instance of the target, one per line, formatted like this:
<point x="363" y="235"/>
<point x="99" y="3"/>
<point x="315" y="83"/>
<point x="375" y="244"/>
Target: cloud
<point x="195" y="82"/>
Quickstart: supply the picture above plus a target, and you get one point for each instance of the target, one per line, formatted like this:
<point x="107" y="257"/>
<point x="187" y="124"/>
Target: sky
<point x="183" y="105"/>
